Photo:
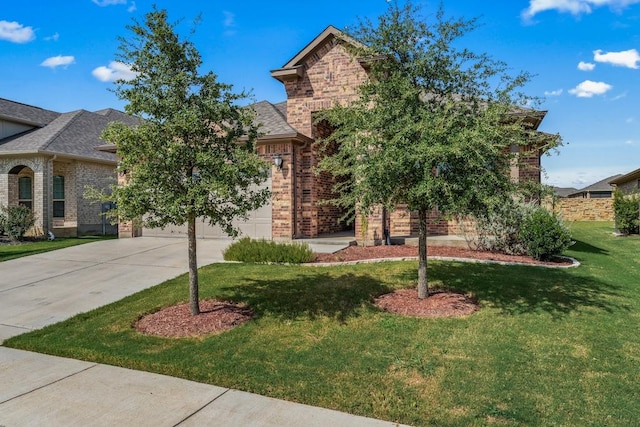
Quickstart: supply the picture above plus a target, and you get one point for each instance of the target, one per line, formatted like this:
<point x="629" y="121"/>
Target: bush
<point x="499" y="230"/>
<point x="627" y="212"/>
<point x="544" y="234"/>
<point x="3" y="220"/>
<point x="17" y="220"/>
<point x="248" y="250"/>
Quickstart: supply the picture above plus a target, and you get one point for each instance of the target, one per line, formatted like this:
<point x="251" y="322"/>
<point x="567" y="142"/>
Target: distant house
<point x="600" y="190"/>
<point x="46" y="160"/>
<point x="563" y="192"/>
<point x="628" y="183"/>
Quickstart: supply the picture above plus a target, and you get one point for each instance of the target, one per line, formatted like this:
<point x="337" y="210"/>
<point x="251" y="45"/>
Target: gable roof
<point x="294" y="67"/>
<point x="74" y="135"/>
<point x="600" y="186"/>
<point x="621" y="179"/>
<point x="26" y="114"/>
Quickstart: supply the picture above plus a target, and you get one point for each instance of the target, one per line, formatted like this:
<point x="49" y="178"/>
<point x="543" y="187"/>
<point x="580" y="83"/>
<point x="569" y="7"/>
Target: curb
<point x="574" y="263"/>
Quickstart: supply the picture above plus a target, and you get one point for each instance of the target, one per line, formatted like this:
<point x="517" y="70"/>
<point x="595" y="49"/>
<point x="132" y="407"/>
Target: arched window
<point x="58" y="196"/>
<point x="25" y="192"/>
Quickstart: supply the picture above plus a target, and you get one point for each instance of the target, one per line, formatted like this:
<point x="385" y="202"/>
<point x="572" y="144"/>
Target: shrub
<point x="499" y="230"/>
<point x="626" y="211"/>
<point x="544" y="234"/>
<point x="3" y="220"/>
<point x="18" y="219"/>
<point x="249" y="250"/>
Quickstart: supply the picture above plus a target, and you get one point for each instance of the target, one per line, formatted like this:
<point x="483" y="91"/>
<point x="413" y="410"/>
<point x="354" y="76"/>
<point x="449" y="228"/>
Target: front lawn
<point x="548" y="346"/>
<point x="16" y="250"/>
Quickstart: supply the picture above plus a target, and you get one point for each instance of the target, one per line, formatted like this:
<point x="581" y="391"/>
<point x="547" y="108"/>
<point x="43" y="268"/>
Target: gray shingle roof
<point x="602" y="185"/>
<point x="273" y="120"/>
<point x="74" y="134"/>
<point x="564" y="191"/>
<point x="23" y="113"/>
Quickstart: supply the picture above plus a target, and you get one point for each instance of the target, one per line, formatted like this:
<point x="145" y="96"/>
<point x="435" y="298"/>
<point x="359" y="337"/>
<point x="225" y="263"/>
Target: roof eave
<point x="627" y="177"/>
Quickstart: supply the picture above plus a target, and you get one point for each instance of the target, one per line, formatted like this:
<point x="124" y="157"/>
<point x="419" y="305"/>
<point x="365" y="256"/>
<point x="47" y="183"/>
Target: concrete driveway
<point x="40" y="290"/>
<point x="38" y="389"/>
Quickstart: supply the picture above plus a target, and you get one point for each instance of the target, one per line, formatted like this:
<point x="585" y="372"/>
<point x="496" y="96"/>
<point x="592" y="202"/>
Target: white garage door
<point x="257" y="226"/>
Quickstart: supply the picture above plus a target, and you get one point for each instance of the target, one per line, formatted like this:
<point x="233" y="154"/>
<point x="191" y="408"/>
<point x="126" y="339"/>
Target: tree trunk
<point x="194" y="301"/>
<point x="423" y="286"/>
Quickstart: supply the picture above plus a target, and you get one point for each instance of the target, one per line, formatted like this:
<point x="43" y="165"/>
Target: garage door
<point x="257" y="226"/>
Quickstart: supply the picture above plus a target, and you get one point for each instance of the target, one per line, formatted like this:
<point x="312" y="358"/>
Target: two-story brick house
<point x="320" y="75"/>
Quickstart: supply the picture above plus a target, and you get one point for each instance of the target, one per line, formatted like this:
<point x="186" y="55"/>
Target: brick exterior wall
<point x="330" y="76"/>
<point x="282" y="188"/>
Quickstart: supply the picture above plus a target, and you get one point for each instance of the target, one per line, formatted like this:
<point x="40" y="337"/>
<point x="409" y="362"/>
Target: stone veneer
<point x="584" y="209"/>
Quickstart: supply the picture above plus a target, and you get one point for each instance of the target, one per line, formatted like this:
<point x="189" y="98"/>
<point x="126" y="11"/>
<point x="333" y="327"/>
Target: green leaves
<point x="184" y="158"/>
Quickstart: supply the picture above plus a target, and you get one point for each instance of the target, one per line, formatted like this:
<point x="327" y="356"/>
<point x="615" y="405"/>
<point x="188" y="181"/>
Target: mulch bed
<point x="405" y="302"/>
<point x="358" y="253"/>
<point x="177" y="322"/>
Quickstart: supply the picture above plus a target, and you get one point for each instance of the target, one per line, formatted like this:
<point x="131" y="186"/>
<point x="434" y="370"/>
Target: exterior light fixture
<point x="277" y="161"/>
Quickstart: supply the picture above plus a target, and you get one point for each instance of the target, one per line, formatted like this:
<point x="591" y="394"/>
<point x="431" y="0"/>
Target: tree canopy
<point x="434" y="124"/>
<point x="192" y="155"/>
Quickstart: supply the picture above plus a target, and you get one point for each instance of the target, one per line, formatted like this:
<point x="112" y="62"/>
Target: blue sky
<point x="585" y="55"/>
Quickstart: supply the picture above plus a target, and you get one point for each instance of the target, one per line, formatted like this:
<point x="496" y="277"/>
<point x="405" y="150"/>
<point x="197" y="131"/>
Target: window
<point x="25" y="193"/>
<point x="58" y="196"/>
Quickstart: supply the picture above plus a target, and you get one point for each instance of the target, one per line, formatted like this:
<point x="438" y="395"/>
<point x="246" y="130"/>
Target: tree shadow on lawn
<point x="521" y="289"/>
<point x="580" y="246"/>
<point x="308" y="296"/>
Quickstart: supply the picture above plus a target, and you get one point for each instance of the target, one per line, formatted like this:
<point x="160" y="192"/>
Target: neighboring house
<point x="627" y="183"/>
<point x="600" y="190"/>
<point x="46" y="160"/>
<point x="316" y="78"/>
<point x="563" y="192"/>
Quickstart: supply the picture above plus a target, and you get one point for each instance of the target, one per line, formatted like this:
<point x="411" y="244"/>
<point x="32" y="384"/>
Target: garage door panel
<point x="257" y="225"/>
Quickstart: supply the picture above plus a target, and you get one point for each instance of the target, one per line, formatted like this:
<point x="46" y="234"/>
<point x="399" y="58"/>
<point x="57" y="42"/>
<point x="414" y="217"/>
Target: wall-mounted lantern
<point x="277" y="161"/>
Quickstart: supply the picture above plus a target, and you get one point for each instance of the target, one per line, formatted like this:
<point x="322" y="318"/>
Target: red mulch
<point x="357" y="253"/>
<point x="176" y="322"/>
<point x="438" y="304"/>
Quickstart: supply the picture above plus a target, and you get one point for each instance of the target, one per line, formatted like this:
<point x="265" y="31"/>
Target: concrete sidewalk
<point x="37" y="389"/>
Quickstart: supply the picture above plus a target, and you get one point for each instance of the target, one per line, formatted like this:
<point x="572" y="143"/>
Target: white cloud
<point x="229" y="19"/>
<point x="626" y="58"/>
<point x="586" y="66"/>
<point x="553" y="92"/>
<point x="114" y="71"/>
<point x="229" y="23"/>
<point x="54" y="37"/>
<point x="630" y="142"/>
<point x="574" y="7"/>
<point x="58" y="61"/>
<point x="103" y="3"/>
<point x="588" y="89"/>
<point x="16" y="32"/>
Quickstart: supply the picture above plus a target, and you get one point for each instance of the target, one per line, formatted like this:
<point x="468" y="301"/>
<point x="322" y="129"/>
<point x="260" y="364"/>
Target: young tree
<point x="184" y="160"/>
<point x="433" y="125"/>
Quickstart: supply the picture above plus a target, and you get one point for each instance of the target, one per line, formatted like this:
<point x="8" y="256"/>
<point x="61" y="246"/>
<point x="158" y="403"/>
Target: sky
<point x="584" y="55"/>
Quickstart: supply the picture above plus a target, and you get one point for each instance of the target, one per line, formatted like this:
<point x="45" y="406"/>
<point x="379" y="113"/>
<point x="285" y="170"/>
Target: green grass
<point x="548" y="347"/>
<point x="13" y="251"/>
